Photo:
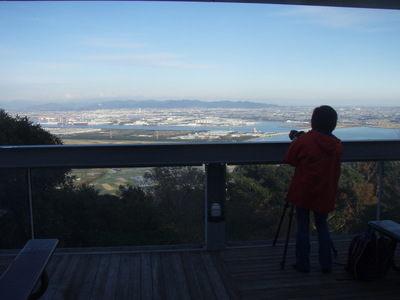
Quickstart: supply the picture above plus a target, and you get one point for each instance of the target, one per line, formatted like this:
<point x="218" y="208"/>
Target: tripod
<point x="288" y="233"/>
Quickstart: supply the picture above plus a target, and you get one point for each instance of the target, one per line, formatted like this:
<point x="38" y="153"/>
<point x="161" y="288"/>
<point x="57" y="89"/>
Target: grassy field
<point x="122" y="136"/>
<point x="139" y="136"/>
<point x="107" y="181"/>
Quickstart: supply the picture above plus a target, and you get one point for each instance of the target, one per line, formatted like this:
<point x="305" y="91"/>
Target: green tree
<point x="356" y="201"/>
<point x="20" y="131"/>
<point x="143" y="219"/>
<point x="391" y="191"/>
<point x="81" y="217"/>
<point x="179" y="193"/>
<point x="13" y="182"/>
<point x="256" y="197"/>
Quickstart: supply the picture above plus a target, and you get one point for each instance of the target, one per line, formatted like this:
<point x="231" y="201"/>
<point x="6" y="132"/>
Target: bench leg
<point x="44" y="283"/>
<point x="394" y="266"/>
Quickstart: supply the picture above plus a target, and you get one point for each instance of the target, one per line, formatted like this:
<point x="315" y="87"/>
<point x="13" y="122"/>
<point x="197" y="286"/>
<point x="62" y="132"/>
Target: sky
<point x="129" y="50"/>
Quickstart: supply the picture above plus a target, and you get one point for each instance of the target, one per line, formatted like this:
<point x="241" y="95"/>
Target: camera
<point x="295" y="134"/>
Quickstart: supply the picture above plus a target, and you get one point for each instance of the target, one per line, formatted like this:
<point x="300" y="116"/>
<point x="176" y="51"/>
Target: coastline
<point x="260" y="132"/>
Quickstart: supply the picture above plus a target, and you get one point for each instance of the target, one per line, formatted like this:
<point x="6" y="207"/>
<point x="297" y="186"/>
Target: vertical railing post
<point x="29" y="180"/>
<point x="380" y="182"/>
<point x="215" y="206"/>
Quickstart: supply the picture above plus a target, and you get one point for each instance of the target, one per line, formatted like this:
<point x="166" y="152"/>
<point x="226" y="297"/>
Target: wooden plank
<point x="78" y="278"/>
<point x="202" y="276"/>
<point x="89" y="277"/>
<point x="56" y="274"/>
<point x="122" y="291"/>
<point x="180" y="276"/>
<point x="64" y="283"/>
<point x="157" y="276"/>
<point x="52" y="264"/>
<point x="169" y="277"/>
<point x="146" y="287"/>
<point x="112" y="278"/>
<point x="99" y="284"/>
<point x="227" y="282"/>
<point x="215" y="279"/>
<point x="191" y="276"/>
<point x="134" y="276"/>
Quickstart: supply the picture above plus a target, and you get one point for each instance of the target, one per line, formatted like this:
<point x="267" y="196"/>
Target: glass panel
<point x="14" y="225"/>
<point x="120" y="207"/>
<point x="357" y="198"/>
<point x="390" y="208"/>
<point x="359" y="194"/>
<point x="256" y="197"/>
<point x="256" y="200"/>
<point x="165" y="206"/>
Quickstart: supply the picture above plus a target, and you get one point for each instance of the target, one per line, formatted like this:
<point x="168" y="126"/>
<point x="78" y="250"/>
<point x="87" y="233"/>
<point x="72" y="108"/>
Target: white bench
<point x="387" y="227"/>
<point x="390" y="229"/>
<point x="21" y="277"/>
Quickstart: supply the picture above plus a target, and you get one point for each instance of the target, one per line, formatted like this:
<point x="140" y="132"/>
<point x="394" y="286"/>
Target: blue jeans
<point x="303" y="240"/>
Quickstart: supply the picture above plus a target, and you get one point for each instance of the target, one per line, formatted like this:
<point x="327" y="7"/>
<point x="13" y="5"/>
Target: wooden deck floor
<point x="236" y="273"/>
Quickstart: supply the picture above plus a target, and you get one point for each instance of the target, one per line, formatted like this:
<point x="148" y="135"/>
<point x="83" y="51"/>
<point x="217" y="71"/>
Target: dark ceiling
<point x="383" y="4"/>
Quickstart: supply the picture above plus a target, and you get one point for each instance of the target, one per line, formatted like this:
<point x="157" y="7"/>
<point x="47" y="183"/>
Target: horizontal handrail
<point x="153" y="155"/>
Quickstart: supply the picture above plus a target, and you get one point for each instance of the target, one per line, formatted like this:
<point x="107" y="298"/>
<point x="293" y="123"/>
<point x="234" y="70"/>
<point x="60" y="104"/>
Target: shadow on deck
<point x="251" y="272"/>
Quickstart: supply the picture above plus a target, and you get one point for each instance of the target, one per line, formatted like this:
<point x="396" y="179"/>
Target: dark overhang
<point x="382" y="4"/>
<point x="385" y="4"/>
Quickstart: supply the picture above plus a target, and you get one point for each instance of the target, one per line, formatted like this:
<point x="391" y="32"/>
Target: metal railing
<point x="214" y="156"/>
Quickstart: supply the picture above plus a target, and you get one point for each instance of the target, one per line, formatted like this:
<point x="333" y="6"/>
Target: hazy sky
<point x="281" y="54"/>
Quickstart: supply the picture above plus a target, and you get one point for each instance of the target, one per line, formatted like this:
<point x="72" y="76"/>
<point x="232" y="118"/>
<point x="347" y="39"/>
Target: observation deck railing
<point x="214" y="156"/>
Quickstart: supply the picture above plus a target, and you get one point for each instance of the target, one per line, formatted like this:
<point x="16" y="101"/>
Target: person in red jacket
<point x="317" y="158"/>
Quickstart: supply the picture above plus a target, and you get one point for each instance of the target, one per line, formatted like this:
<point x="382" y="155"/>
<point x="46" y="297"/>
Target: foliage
<point x="391" y="191"/>
<point x="256" y="195"/>
<point x="255" y="200"/>
<point x="103" y="220"/>
<point x="357" y="198"/>
<point x="13" y="182"/>
<point x="179" y="193"/>
<point x="20" y="131"/>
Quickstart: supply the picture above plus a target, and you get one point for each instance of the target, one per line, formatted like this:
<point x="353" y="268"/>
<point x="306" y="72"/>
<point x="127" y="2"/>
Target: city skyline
<point x="277" y="54"/>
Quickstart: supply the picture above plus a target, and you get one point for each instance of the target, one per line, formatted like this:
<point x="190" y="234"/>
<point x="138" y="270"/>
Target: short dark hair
<point x="324" y="118"/>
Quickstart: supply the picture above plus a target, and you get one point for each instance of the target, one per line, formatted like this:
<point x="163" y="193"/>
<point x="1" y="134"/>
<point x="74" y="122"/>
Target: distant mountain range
<point x="120" y="104"/>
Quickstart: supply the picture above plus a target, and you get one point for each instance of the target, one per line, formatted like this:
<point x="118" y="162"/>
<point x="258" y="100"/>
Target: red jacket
<point x="316" y="157"/>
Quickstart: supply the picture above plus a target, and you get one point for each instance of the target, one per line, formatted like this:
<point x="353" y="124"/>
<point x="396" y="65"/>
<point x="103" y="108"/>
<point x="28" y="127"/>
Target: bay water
<point x="280" y="130"/>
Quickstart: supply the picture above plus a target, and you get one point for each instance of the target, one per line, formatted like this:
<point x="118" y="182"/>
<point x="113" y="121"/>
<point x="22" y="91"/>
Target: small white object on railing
<point x="215" y="210"/>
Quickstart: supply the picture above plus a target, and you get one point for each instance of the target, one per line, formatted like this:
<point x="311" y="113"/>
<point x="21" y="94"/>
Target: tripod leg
<point x="287" y="238"/>
<point x="280" y="223"/>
